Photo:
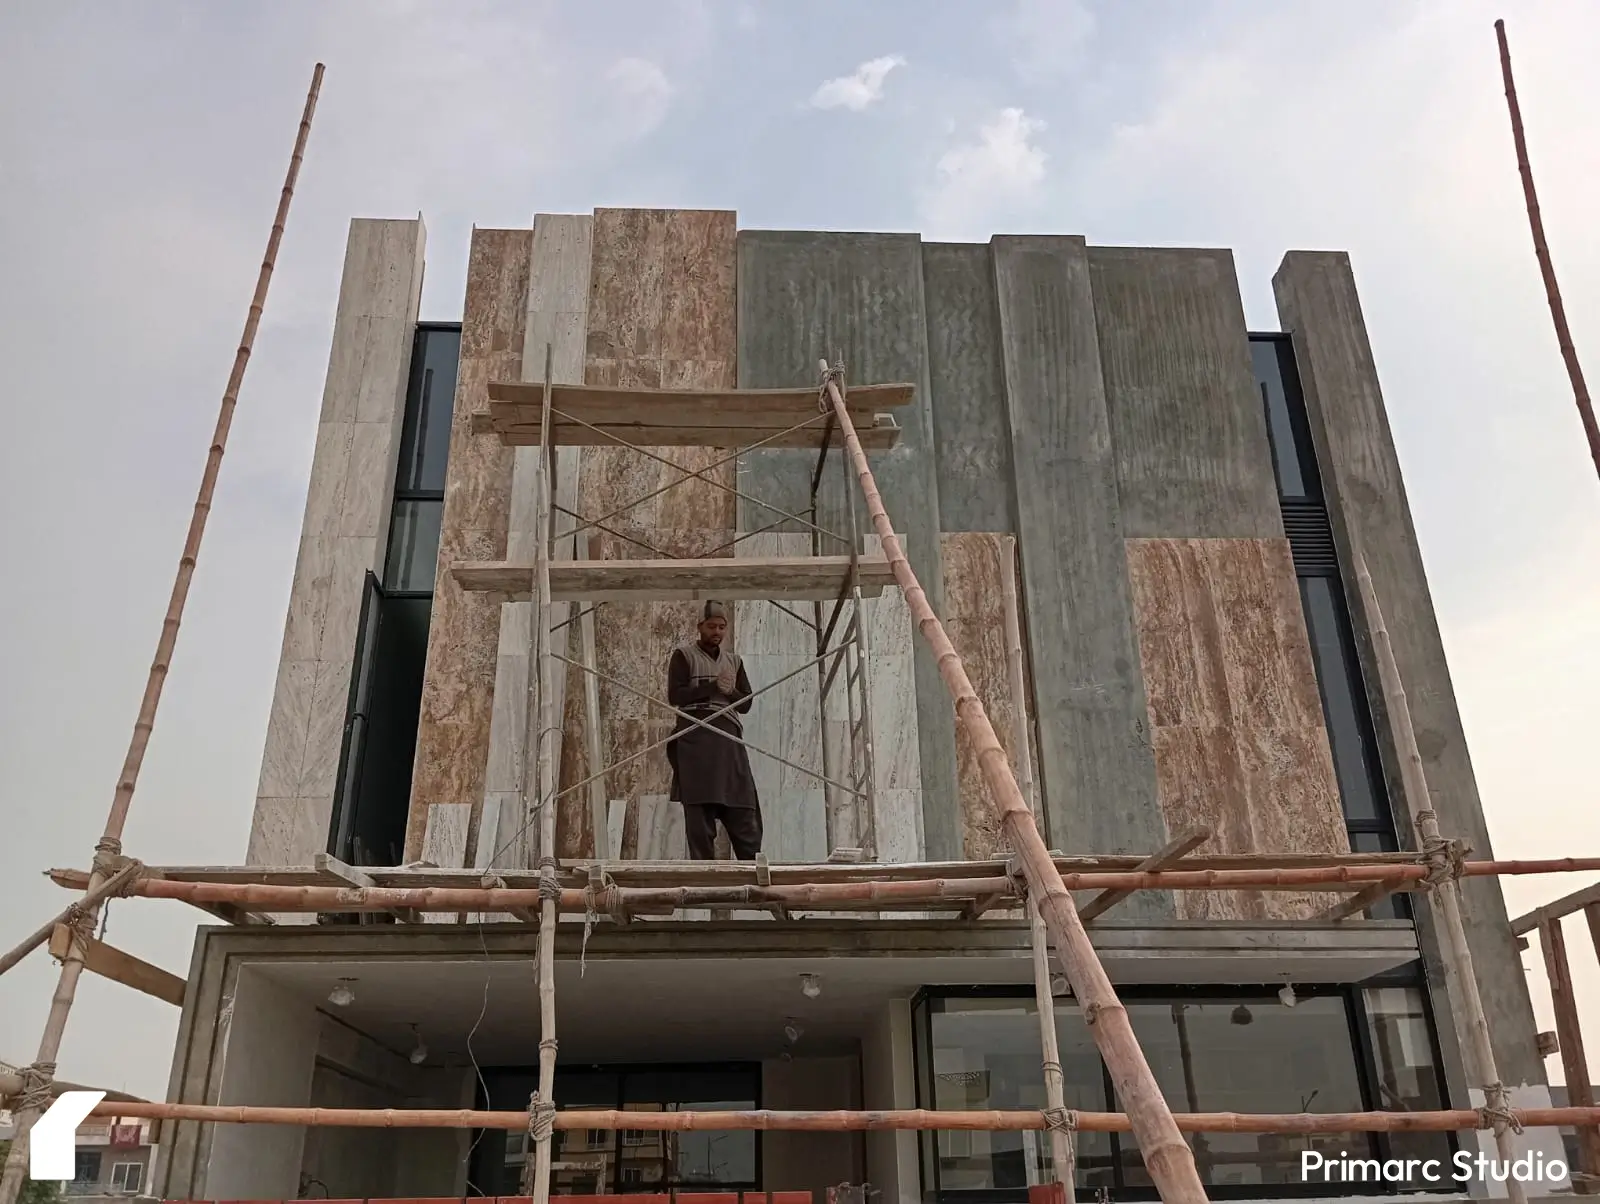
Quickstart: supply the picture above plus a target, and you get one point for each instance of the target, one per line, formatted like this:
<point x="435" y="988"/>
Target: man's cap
<point x="713" y="610"/>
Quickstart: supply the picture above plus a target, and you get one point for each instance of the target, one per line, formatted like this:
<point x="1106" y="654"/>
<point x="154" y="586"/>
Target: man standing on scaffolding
<point x="710" y="772"/>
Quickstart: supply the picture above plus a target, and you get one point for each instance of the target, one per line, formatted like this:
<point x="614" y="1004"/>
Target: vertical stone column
<point x="558" y="315"/>
<point x="342" y="539"/>
<point x="447" y="783"/>
<point x="1318" y="306"/>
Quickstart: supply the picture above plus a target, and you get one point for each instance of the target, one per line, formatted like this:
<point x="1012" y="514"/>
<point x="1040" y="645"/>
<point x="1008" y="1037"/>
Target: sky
<point x="142" y="148"/>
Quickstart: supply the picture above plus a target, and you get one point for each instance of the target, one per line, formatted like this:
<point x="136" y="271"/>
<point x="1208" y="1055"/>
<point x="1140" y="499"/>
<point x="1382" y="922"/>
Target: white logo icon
<point x="52" y="1147"/>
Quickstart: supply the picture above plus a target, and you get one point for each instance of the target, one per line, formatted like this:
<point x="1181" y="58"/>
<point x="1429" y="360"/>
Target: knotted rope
<point x="1496" y="1112"/>
<point x="35" y="1094"/>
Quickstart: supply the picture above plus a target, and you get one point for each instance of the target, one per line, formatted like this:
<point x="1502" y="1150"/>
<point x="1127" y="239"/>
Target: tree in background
<point x="42" y="1191"/>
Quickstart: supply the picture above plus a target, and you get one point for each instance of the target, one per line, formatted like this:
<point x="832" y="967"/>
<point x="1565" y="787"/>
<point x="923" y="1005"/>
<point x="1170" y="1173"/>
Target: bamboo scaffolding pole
<point x="289" y="899"/>
<point x="1478" y="1048"/>
<point x="1541" y="250"/>
<point x="71" y="913"/>
<point x="109" y="849"/>
<point x="543" y="713"/>
<point x="1063" y="1157"/>
<point x="1166" y="1155"/>
<point x="908" y="1119"/>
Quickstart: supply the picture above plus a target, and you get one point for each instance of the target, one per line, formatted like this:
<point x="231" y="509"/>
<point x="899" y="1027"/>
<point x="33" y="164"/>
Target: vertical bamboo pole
<point x="1541" y="250"/>
<point x="1167" y="1156"/>
<point x="1062" y="1155"/>
<point x="1553" y="945"/>
<point x="1479" y="1050"/>
<point x="542" y="1118"/>
<point x="108" y="851"/>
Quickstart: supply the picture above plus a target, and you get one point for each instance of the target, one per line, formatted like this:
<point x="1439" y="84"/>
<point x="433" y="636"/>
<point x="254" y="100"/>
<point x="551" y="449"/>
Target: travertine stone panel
<point x="1188" y="430"/>
<point x="342" y="539"/>
<point x="897" y="752"/>
<point x="1240" y="744"/>
<point x="661" y="315"/>
<point x="1095" y="768"/>
<point x="805" y="296"/>
<point x="1319" y="306"/>
<point x="788" y="718"/>
<point x="463" y="637"/>
<point x="975" y="565"/>
<point x="558" y="304"/>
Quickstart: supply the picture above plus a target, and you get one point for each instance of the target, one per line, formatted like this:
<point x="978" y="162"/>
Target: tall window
<point x="1348" y="718"/>
<point x="380" y="737"/>
<point x="601" y="1162"/>
<point x="1339" y="1049"/>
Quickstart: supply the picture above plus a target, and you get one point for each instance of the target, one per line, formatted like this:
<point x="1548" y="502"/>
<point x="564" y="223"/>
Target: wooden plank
<point x="1363" y="899"/>
<point x="108" y="962"/>
<point x="791" y="577"/>
<point x="1570" y="1034"/>
<point x="337" y="872"/>
<point x="1578" y="900"/>
<point x="877" y="432"/>
<point x="708" y="407"/>
<point x="1162" y="859"/>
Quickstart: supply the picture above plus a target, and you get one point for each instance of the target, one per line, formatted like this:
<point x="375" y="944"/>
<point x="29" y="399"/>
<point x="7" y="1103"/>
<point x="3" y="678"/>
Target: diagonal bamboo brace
<point x="1166" y="1155"/>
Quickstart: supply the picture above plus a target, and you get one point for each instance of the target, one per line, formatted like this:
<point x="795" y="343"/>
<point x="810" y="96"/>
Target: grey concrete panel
<point x="810" y="296"/>
<point x="1096" y="766"/>
<point x="966" y="375"/>
<point x="1187" y="424"/>
<point x="1318" y="305"/>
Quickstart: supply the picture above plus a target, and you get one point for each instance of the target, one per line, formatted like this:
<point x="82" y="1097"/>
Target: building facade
<point x="1180" y="501"/>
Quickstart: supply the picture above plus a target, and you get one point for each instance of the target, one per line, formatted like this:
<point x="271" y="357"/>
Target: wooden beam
<point x="341" y="874"/>
<point x="1568" y="1032"/>
<point x="1362" y="900"/>
<point x="880" y="436"/>
<point x="130" y="971"/>
<point x="705" y="407"/>
<point x="723" y="578"/>
<point x="1565" y="905"/>
<point x="1173" y="851"/>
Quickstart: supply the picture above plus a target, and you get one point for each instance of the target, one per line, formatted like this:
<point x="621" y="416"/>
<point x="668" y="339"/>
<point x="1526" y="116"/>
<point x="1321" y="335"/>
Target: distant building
<point x="114" y="1157"/>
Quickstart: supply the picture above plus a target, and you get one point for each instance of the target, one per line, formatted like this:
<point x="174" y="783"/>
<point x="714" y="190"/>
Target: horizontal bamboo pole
<point x="838" y="1122"/>
<point x="454" y="899"/>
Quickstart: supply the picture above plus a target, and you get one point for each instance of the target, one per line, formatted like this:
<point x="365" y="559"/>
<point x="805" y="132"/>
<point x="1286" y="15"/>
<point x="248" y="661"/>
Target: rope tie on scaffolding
<point x="1446" y="861"/>
<point x="35" y="1094"/>
<point x="541" y="1118"/>
<point x="833" y="376"/>
<point x="1060" y="1120"/>
<point x="549" y="886"/>
<point x="1496" y="1112"/>
<point x="599" y="883"/>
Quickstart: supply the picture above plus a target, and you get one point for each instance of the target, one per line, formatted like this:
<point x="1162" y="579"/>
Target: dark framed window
<point x="1339" y="1048"/>
<point x="601" y="1162"/>
<point x="1352" y="739"/>
<point x="373" y="789"/>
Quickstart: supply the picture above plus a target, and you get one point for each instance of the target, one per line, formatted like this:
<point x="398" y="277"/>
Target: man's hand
<point x="728" y="680"/>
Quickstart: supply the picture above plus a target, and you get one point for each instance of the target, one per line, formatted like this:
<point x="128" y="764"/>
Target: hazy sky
<point x="141" y="152"/>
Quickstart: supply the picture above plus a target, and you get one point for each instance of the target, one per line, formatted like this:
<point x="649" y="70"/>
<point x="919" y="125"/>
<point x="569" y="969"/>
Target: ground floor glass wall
<point x="1212" y="1050"/>
<point x="602" y="1162"/>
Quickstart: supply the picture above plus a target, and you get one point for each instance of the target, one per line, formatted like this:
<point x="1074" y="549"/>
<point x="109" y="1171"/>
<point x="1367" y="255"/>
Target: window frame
<point x="402" y="493"/>
<point x="124" y="1167"/>
<point x="1358" y="1025"/>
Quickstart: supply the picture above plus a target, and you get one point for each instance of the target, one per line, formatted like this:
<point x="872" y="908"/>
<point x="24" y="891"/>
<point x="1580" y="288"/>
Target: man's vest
<point x="704" y="671"/>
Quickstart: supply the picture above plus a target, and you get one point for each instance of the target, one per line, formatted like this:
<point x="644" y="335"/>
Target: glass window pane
<point x="1264" y="356"/>
<point x="430" y="401"/>
<point x="413" y="557"/>
<point x="1406" y="1075"/>
<point x="1251" y="1054"/>
<point x="693" y="1159"/>
<point x="1342" y="695"/>
<point x="1395" y="907"/>
<point x="986" y="1055"/>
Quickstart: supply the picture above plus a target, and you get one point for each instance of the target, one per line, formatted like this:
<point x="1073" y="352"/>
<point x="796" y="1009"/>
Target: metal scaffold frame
<point x="1036" y="878"/>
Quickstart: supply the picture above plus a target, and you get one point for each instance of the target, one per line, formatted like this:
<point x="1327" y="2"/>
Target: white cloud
<point x="1045" y="38"/>
<point x="980" y="180"/>
<point x="642" y="93"/>
<point x="861" y="88"/>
